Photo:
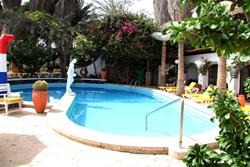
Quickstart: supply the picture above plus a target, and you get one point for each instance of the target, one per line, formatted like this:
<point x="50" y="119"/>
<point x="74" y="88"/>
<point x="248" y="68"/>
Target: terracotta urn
<point x="242" y="100"/>
<point x="40" y="95"/>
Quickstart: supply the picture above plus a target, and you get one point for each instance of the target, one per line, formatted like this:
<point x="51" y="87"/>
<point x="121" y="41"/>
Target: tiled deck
<point x="27" y="140"/>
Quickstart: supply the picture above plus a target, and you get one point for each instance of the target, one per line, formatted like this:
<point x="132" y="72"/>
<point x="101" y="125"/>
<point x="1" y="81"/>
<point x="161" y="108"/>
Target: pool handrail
<point x="151" y="112"/>
<point x="135" y="83"/>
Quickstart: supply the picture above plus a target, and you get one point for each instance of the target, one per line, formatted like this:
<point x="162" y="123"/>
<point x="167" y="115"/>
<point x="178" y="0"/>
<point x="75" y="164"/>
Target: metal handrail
<point x="151" y="112"/>
<point x="131" y="83"/>
<point x="135" y="82"/>
<point x="181" y="124"/>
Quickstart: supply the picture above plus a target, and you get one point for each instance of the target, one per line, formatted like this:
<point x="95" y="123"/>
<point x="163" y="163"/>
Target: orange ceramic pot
<point x="242" y="100"/>
<point x="40" y="99"/>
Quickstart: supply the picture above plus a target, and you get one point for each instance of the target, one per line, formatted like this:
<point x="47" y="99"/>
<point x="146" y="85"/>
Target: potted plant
<point x="241" y="97"/>
<point x="202" y="69"/>
<point x="205" y="63"/>
<point x="40" y="95"/>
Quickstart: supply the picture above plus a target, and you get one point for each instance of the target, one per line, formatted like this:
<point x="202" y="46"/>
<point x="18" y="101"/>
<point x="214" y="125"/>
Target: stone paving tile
<point x="27" y="140"/>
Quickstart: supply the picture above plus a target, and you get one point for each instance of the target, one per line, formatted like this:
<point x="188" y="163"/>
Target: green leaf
<point x="213" y="26"/>
<point x="227" y="116"/>
<point x="247" y="139"/>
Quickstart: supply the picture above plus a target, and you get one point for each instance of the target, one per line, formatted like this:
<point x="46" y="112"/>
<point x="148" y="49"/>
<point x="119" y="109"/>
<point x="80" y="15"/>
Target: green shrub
<point x="233" y="139"/>
<point x="247" y="86"/>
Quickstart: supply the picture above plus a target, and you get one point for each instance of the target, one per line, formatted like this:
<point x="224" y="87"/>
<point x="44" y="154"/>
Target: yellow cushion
<point x="56" y="70"/>
<point x="190" y="87"/>
<point x="246" y="109"/>
<point x="11" y="100"/>
<point x="192" y="95"/>
<point x="167" y="87"/>
<point x="203" y="99"/>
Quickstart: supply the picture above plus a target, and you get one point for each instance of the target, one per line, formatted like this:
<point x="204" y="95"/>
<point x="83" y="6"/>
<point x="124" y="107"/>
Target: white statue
<point x="71" y="74"/>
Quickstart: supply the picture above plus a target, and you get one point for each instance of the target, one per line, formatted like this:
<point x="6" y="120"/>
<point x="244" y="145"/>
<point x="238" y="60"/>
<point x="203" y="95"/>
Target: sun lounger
<point x="15" y="72"/>
<point x="168" y="88"/>
<point x="23" y="75"/>
<point x="246" y="109"/>
<point x="203" y="99"/>
<point x="206" y="93"/>
<point x="43" y="73"/>
<point x="56" y="72"/>
<point x="189" y="89"/>
<point x="8" y="97"/>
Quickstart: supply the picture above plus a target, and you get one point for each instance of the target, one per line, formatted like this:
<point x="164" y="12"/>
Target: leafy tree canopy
<point x="214" y="27"/>
<point x="245" y="4"/>
<point x="30" y="53"/>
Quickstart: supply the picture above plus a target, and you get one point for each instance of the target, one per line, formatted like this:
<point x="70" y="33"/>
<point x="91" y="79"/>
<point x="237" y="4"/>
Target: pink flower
<point x="94" y="29"/>
<point x="119" y="34"/>
<point x="129" y="28"/>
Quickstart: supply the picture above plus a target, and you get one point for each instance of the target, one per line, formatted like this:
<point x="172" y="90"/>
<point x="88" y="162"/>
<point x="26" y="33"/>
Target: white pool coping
<point x="59" y="121"/>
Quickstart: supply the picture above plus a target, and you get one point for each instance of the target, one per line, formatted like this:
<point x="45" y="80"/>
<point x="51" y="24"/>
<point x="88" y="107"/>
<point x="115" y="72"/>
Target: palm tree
<point x="180" y="14"/>
<point x="180" y="77"/>
<point x="222" y="73"/>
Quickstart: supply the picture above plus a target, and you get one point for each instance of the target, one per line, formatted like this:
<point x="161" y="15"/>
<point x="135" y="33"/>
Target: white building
<point x="235" y="78"/>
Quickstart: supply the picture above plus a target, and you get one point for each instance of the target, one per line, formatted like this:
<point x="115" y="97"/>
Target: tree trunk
<point x="247" y="17"/>
<point x="222" y="73"/>
<point x="180" y="77"/>
<point x="168" y="10"/>
<point x="10" y="4"/>
<point x="64" y="54"/>
<point x="66" y="8"/>
<point x="161" y="12"/>
<point x="45" y="5"/>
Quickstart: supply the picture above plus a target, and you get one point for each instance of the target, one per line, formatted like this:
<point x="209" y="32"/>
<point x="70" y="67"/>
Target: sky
<point x="145" y="6"/>
<point x="138" y="6"/>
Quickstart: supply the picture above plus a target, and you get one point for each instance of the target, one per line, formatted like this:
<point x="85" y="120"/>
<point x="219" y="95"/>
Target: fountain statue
<point x="70" y="79"/>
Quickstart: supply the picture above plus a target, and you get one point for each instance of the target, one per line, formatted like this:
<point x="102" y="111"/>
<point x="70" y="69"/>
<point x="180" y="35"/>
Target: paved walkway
<point x="27" y="140"/>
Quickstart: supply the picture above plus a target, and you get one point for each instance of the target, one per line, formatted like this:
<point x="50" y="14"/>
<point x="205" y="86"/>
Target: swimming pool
<point x="122" y="110"/>
<point x="56" y="91"/>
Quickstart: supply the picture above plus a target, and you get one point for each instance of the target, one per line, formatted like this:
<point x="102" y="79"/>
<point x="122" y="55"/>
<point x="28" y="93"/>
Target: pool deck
<point x="58" y="120"/>
<point x="27" y="140"/>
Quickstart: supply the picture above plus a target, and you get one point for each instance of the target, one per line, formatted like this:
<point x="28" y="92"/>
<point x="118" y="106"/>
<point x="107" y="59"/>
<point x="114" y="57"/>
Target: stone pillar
<point x="148" y="78"/>
<point x="163" y="65"/>
<point x="159" y="76"/>
<point x="203" y="80"/>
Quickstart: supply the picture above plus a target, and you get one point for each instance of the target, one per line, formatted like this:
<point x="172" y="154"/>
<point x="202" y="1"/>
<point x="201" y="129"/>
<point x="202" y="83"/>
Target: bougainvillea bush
<point x="131" y="36"/>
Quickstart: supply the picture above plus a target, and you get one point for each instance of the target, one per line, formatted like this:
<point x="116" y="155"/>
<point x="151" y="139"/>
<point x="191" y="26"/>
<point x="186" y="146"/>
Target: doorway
<point x="212" y="74"/>
<point x="244" y="74"/>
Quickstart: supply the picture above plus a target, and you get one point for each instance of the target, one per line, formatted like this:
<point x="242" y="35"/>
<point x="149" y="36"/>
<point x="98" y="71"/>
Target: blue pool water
<point x="122" y="110"/>
<point x="56" y="91"/>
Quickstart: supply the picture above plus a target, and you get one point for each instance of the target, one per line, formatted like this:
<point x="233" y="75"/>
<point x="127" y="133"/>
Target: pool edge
<point x="58" y="121"/>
